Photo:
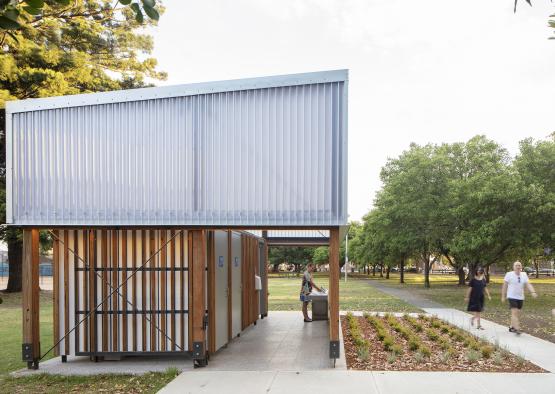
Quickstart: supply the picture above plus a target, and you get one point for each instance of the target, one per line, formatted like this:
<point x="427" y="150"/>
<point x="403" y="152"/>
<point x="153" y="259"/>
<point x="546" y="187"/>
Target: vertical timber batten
<point x="198" y="286"/>
<point x="30" y="302"/>
<point x="333" y="297"/>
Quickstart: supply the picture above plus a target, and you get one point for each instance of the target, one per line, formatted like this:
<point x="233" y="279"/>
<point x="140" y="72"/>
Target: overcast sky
<point x="420" y="71"/>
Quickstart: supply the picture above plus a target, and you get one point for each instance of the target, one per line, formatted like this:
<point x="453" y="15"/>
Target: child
<point x="475" y="296"/>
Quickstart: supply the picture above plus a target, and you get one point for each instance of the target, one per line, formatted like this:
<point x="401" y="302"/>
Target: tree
<point x="487" y="204"/>
<point x="15" y="13"/>
<point x="551" y="22"/>
<point x="82" y="47"/>
<point x="321" y="255"/>
<point x="297" y="255"/>
<point x="413" y="200"/>
<point x="535" y="165"/>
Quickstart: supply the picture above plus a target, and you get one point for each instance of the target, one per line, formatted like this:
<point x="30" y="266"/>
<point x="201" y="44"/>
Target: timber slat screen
<point x="250" y="308"/>
<point x="143" y="312"/>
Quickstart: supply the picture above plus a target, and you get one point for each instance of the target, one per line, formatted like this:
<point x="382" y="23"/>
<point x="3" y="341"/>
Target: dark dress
<point x="476" y="301"/>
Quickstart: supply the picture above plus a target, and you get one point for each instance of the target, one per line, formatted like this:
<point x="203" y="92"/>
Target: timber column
<point x="197" y="310"/>
<point x="30" y="288"/>
<point x="333" y="293"/>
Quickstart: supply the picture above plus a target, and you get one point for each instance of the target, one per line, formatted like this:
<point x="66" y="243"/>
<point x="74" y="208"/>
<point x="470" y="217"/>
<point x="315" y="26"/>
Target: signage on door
<point x="236" y="261"/>
<point x="221" y="261"/>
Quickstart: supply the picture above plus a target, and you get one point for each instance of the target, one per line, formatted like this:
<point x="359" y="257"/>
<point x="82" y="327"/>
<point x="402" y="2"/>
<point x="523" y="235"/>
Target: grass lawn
<point x="537" y="318"/>
<point x="354" y="295"/>
<point x="10" y="359"/>
<point x="11" y="329"/>
<point x="147" y="383"/>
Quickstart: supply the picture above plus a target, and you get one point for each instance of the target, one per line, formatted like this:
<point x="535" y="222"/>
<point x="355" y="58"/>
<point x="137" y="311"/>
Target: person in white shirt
<point x="513" y="291"/>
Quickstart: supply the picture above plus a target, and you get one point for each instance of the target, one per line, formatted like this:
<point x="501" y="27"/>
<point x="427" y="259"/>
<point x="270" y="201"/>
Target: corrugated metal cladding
<point x="293" y="233"/>
<point x="249" y="156"/>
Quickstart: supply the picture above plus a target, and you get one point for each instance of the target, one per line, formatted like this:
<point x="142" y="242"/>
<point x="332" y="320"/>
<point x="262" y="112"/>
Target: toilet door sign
<point x="236" y="261"/>
<point x="221" y="261"/>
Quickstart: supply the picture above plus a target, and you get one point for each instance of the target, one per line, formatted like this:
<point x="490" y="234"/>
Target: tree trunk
<point x="387" y="272"/>
<point x="427" y="273"/>
<point x="537" y="266"/>
<point x="374" y="270"/>
<point x="460" y="272"/>
<point x="486" y="273"/>
<point x="15" y="256"/>
<point x="402" y="271"/>
<point x="381" y="271"/>
<point x="472" y="271"/>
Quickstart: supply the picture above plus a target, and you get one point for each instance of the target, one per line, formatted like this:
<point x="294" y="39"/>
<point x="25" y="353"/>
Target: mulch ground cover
<point x="423" y="343"/>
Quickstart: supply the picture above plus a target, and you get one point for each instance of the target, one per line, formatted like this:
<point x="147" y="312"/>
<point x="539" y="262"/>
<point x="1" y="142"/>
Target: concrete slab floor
<point x="281" y="342"/>
<point x="128" y="365"/>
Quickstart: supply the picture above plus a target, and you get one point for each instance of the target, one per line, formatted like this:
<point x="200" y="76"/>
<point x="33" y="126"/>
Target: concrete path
<point x="333" y="382"/>
<point x="405" y="295"/>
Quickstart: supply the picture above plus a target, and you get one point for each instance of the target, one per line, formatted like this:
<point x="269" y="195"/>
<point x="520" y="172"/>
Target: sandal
<point x="480" y="328"/>
<point x="308" y="320"/>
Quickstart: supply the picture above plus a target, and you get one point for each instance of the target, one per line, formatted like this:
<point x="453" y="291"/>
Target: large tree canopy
<point x="90" y="49"/>
<point x="14" y="14"/>
<point x="81" y="46"/>
<point x="468" y="202"/>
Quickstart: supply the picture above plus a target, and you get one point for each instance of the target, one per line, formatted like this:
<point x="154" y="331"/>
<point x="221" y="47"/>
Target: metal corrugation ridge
<point x="121" y="96"/>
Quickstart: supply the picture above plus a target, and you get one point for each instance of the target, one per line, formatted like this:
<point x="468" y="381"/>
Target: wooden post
<point x="333" y="293"/>
<point x="31" y="332"/>
<point x="198" y="286"/>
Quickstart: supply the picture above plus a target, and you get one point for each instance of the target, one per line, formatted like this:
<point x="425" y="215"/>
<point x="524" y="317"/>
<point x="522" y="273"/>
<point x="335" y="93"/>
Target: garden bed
<point x="422" y="343"/>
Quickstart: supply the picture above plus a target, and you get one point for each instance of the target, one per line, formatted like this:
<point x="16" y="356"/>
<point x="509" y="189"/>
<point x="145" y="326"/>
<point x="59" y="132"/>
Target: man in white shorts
<point x="513" y="290"/>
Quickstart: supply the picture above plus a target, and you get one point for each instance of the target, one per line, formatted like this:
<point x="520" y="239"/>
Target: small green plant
<point x="475" y="345"/>
<point x="520" y="360"/>
<point x="391" y="358"/>
<point x="419" y="357"/>
<point x="387" y="343"/>
<point x="362" y="353"/>
<point x="444" y="343"/>
<point x="486" y="351"/>
<point x="436" y="323"/>
<point x="426" y="352"/>
<point x="498" y="358"/>
<point x="414" y="344"/>
<point x="444" y="328"/>
<point x="397" y="349"/>
<point x="472" y="356"/>
<point x="172" y="371"/>
<point x="432" y="335"/>
<point x="445" y="357"/>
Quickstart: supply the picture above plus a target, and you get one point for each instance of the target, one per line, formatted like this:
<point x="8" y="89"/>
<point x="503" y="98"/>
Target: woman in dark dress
<point x="475" y="296"/>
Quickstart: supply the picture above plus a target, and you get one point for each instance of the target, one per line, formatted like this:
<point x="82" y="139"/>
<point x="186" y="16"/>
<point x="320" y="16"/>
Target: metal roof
<point x="259" y="152"/>
<point x="160" y="92"/>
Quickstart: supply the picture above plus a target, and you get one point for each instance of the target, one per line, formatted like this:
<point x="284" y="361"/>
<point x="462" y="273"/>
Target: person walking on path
<point x="306" y="289"/>
<point x="513" y="291"/>
<point x="475" y="296"/>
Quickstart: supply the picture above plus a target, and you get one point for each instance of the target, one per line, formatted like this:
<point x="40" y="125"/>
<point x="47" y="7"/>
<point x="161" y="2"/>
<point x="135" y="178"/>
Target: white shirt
<point x="515" y="289"/>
